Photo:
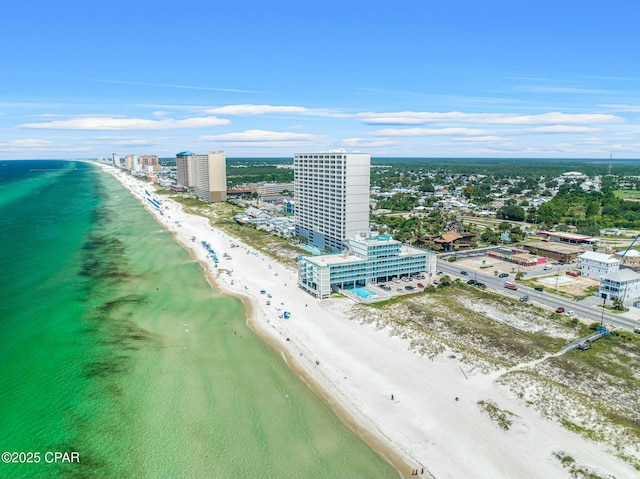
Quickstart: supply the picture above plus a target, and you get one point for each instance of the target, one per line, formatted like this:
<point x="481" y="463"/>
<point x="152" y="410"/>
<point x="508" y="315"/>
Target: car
<point x="480" y="285"/>
<point x="560" y="309"/>
<point x="464" y="273"/>
<point x="439" y="273"/>
<point x="570" y="313"/>
<point x="406" y="279"/>
<point x="400" y="290"/>
<point x="636" y="330"/>
<point x="382" y="285"/>
<point x="409" y="287"/>
<point x="524" y="298"/>
<point x="395" y="280"/>
<point x="548" y="268"/>
<point x="472" y="281"/>
<point x="503" y="275"/>
<point x="539" y="288"/>
<point x="420" y="285"/>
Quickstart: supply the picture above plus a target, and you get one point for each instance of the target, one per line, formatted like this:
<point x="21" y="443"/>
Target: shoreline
<point x="355" y="368"/>
<point x="375" y="440"/>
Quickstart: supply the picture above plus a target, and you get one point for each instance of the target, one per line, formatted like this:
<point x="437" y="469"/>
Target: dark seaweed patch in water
<point x="107" y="367"/>
<point x="121" y="301"/>
<point x="104" y="258"/>
<point x="115" y="330"/>
<point x="90" y="464"/>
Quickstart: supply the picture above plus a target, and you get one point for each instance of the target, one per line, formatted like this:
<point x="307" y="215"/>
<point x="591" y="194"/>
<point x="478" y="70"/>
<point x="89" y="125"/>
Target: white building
<point x="631" y="259"/>
<point x="596" y="265"/>
<point x="622" y="284"/>
<point x="116" y="159"/>
<point x="331" y="191"/>
<point x="367" y="259"/>
<point x="206" y="173"/>
<point x="265" y="189"/>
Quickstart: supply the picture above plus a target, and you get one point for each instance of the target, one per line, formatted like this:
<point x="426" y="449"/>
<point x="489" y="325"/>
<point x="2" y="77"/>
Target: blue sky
<point x="463" y="78"/>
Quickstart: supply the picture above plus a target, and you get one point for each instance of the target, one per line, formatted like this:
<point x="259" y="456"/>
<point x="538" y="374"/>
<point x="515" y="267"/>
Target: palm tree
<point x="618" y="304"/>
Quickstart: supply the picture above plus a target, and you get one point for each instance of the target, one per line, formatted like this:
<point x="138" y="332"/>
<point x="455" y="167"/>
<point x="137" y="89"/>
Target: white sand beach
<point x="357" y="368"/>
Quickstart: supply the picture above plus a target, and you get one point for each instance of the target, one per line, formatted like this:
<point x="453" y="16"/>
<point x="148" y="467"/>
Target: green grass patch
<point x="502" y="417"/>
<point x="626" y="194"/>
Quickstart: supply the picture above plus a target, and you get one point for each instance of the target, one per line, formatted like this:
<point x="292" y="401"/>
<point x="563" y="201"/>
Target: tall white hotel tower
<point x="331" y="192"/>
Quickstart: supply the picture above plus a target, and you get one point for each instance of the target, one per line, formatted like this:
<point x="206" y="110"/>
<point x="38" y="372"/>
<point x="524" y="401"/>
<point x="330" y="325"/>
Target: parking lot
<point x="404" y="285"/>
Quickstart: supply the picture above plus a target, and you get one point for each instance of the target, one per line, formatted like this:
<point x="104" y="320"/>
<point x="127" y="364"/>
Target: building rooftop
<point x="600" y="257"/>
<point x="569" y="236"/>
<point x="622" y="275"/>
<point x="185" y="153"/>
<point x="555" y="247"/>
<point x="632" y="253"/>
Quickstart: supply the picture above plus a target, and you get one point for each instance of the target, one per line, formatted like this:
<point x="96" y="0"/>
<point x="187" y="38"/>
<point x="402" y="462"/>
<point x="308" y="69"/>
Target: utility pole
<point x="604" y="300"/>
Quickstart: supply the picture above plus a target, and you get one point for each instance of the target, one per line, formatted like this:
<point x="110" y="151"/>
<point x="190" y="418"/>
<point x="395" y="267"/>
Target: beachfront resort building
<point x="366" y="259"/>
<point x="206" y="174"/>
<point x="596" y="265"/>
<point x="184" y="169"/>
<point x="331" y="192"/>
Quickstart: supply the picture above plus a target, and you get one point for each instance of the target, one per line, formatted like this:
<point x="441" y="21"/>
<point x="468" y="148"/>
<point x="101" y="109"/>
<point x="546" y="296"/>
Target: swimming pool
<point x="364" y="293"/>
<point x="312" y="249"/>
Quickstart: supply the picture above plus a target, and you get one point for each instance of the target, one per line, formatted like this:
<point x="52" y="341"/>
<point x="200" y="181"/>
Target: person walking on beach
<point x="392" y="397"/>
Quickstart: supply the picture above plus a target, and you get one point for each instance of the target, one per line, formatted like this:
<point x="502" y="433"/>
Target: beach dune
<point x="421" y="414"/>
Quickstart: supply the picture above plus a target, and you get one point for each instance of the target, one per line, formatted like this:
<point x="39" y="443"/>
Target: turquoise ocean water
<point x="113" y="345"/>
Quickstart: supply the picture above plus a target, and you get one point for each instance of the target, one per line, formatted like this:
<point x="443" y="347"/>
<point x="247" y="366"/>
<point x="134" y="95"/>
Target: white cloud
<point x="255" y="109"/>
<point x="250" y="109"/>
<point x="124" y="141"/>
<point x="622" y="107"/>
<point x="428" y="132"/>
<point x="562" y="129"/>
<point x="557" y="117"/>
<point x="124" y="124"/>
<point x="38" y="144"/>
<point x="480" y="139"/>
<point x="368" y="142"/>
<point x="25" y="142"/>
<point x="261" y="136"/>
<point x="418" y="118"/>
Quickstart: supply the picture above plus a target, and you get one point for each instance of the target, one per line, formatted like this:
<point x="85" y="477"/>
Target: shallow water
<point x="114" y="345"/>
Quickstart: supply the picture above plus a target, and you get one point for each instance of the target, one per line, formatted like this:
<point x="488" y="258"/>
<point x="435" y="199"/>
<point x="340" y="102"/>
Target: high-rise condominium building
<point x="332" y="197"/>
<point x="184" y="169"/>
<point x="206" y="174"/>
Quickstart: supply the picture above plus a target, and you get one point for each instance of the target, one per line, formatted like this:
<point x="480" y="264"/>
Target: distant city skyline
<point x="409" y="79"/>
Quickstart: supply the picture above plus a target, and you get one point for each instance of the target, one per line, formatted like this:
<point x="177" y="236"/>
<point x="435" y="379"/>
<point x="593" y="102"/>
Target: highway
<point x="542" y="298"/>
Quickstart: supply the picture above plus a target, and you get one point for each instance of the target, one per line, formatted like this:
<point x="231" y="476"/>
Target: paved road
<point x="543" y="298"/>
